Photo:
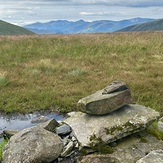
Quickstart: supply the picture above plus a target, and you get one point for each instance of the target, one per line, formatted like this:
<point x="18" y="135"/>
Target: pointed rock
<point x="115" y="86"/>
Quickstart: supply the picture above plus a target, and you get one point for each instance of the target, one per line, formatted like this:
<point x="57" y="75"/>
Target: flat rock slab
<point x="108" y="128"/>
<point x="153" y="157"/>
<point x="100" y="103"/>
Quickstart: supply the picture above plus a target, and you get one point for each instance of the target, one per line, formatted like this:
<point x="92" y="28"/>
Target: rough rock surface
<point x="32" y="145"/>
<point x="129" y="149"/>
<point x="63" y="129"/>
<point x="9" y="133"/>
<point x="108" y="128"/>
<point x="115" y="86"/>
<point x="49" y="125"/>
<point x="100" y="104"/>
<point x="153" y="157"/>
<point x="98" y="159"/>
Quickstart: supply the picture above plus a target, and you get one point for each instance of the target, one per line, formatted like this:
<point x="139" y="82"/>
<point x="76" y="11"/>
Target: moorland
<point x="52" y="72"/>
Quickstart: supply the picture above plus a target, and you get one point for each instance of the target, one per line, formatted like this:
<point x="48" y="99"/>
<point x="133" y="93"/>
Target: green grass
<point x="1" y="147"/>
<point x="54" y="71"/>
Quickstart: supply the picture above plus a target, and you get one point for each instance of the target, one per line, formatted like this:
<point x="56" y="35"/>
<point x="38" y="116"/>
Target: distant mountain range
<point x="10" y="29"/>
<point x="155" y="25"/>
<point x="81" y="26"/>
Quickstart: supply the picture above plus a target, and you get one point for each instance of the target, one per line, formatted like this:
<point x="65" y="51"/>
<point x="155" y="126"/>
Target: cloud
<point x="18" y="11"/>
<point x="127" y="3"/>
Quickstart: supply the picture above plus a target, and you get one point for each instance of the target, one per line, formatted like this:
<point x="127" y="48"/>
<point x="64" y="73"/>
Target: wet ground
<point x="20" y="121"/>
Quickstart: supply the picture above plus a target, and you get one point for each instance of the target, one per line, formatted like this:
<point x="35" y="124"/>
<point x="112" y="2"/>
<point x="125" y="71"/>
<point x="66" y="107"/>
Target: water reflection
<point x="19" y="122"/>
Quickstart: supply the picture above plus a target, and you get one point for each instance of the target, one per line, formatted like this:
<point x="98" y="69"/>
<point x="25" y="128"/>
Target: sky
<point x="21" y="12"/>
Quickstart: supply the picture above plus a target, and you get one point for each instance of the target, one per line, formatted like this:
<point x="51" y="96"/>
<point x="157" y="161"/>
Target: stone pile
<point x="102" y="118"/>
<point x="109" y="115"/>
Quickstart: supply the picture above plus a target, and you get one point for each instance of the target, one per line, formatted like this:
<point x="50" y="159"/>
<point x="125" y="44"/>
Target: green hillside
<point x="156" y="25"/>
<point x="10" y="29"/>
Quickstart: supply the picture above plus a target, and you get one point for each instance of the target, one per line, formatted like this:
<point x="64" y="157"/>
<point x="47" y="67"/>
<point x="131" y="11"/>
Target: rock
<point x="134" y="147"/>
<point x="63" y="129"/>
<point x="97" y="159"/>
<point x="130" y="119"/>
<point x="160" y="126"/>
<point x="153" y="157"/>
<point x="67" y="149"/>
<point x="32" y="145"/>
<point x="9" y="133"/>
<point x="40" y="119"/>
<point x="115" y="86"/>
<point x="100" y="104"/>
<point x="129" y="149"/>
<point x="49" y="125"/>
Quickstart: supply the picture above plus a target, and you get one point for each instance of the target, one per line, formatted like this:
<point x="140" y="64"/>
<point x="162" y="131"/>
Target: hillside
<point x="10" y="29"/>
<point x="155" y="25"/>
<point x="81" y="26"/>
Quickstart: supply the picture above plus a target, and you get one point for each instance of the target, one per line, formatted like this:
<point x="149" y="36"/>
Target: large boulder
<point x="107" y="100"/>
<point x="33" y="145"/>
<point x="108" y="128"/>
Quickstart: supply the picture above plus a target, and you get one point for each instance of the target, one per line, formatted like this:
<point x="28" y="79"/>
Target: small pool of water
<point x="19" y="122"/>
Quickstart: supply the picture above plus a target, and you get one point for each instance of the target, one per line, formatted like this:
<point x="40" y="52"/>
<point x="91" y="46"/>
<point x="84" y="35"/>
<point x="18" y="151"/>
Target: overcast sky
<point x="22" y="12"/>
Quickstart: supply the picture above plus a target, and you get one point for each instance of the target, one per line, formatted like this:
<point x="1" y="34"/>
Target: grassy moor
<point x="54" y="71"/>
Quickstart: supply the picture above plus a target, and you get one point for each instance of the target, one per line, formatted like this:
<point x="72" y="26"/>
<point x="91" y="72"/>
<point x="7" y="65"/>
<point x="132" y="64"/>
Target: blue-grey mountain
<point x="81" y="26"/>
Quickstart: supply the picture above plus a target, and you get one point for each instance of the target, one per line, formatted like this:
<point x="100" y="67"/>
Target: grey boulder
<point x="32" y="145"/>
<point x="105" y="101"/>
<point x="108" y="128"/>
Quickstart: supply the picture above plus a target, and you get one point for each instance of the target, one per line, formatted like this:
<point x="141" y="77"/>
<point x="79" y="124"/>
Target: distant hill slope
<point x="155" y="25"/>
<point x="10" y="29"/>
<point x="81" y="26"/>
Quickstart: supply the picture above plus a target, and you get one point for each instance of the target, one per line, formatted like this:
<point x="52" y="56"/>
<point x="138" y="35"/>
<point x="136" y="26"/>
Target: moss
<point x="99" y="146"/>
<point x="153" y="130"/>
<point x="142" y="138"/>
<point x="127" y="125"/>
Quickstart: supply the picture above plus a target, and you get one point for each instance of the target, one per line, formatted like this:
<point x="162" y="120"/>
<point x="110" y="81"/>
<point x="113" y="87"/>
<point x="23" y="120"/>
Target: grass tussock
<point x="55" y="71"/>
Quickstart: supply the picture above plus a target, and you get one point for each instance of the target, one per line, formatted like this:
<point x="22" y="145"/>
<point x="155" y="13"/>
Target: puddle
<point x="19" y="122"/>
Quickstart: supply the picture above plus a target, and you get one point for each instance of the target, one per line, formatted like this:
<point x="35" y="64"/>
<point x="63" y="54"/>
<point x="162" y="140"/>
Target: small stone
<point x="49" y="125"/>
<point x="67" y="149"/>
<point x="63" y="130"/>
<point x="9" y="133"/>
<point x="65" y="140"/>
<point x="115" y="86"/>
<point x="160" y="126"/>
<point x="74" y="138"/>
